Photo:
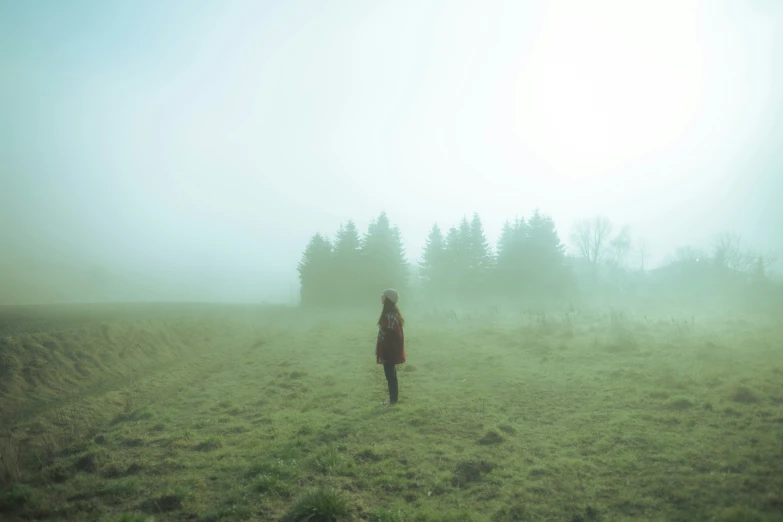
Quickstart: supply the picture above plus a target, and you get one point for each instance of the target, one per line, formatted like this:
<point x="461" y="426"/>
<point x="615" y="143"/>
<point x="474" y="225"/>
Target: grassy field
<point x="252" y="413"/>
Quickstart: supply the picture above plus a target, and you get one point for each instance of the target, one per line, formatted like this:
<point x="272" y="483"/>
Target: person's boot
<point x="394" y="395"/>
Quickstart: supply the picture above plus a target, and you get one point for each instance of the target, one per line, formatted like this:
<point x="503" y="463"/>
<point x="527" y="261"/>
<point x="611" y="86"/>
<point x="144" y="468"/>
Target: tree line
<point x="456" y="263"/>
<point x="594" y="241"/>
<point x="352" y="267"/>
<point x="528" y="259"/>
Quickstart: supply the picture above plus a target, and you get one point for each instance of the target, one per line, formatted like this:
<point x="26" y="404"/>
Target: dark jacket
<point x="390" y="347"/>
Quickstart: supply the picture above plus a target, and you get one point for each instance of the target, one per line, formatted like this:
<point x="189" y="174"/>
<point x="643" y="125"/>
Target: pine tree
<point x="383" y="257"/>
<point x="315" y="272"/>
<point x="505" y="245"/>
<point x="512" y="262"/>
<point x="464" y="267"/>
<point x="348" y="264"/>
<point x="544" y="239"/>
<point x="453" y="265"/>
<point x="546" y="255"/>
<point x="504" y="258"/>
<point x="433" y="267"/>
<point x="400" y="265"/>
<point x="479" y="256"/>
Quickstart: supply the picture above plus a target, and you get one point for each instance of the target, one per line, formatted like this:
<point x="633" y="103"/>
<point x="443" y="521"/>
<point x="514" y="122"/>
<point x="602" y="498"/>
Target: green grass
<point x="578" y="417"/>
<point x="319" y="505"/>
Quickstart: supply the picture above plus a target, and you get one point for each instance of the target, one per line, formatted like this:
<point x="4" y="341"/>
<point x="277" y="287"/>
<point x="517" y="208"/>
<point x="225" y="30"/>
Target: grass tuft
<point x="512" y="513"/>
<point x="320" y="505"/>
<point x="331" y="461"/>
<point x="87" y="464"/>
<point x="162" y="504"/>
<point x="471" y="471"/>
<point x="10" y="470"/>
<point x="269" y="484"/>
<point x="209" y="444"/>
<point x="127" y="517"/>
<point x="680" y="403"/>
<point x="15" y="497"/>
<point x="744" y="395"/>
<point x="491" y="437"/>
<point x="386" y="515"/>
<point x="138" y="414"/>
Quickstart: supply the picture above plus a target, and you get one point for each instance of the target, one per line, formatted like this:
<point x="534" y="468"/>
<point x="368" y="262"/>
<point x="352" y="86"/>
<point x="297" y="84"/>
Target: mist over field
<point x="217" y="218"/>
<point x="188" y="151"/>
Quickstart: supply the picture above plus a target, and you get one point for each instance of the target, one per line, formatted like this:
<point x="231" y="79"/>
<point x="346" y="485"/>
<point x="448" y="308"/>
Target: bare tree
<point x="727" y="252"/>
<point x="621" y="246"/>
<point x="768" y="260"/>
<point x="581" y="234"/>
<point x="689" y="254"/>
<point x="763" y="263"/>
<point x="643" y="250"/>
<point x="590" y="238"/>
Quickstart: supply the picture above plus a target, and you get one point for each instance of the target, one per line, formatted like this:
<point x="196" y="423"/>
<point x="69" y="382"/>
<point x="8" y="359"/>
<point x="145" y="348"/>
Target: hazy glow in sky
<point x="609" y="84"/>
<point x="221" y="136"/>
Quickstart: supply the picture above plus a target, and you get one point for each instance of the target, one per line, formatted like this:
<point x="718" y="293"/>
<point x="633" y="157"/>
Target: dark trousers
<point x="391" y="377"/>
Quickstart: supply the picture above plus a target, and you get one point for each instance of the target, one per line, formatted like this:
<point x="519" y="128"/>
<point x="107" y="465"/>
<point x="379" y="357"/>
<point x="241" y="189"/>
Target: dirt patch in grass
<point x="680" y="404"/>
<point x="209" y="445"/>
<point x="162" y="504"/>
<point x="471" y="471"/>
<point x="87" y="464"/>
<point x="745" y="395"/>
<point x="367" y="456"/>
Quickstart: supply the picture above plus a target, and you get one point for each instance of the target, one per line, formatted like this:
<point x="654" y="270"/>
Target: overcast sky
<point x="219" y="136"/>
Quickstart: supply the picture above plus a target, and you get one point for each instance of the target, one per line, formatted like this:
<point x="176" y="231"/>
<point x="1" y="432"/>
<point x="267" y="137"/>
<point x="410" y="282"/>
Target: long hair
<point x="390" y="307"/>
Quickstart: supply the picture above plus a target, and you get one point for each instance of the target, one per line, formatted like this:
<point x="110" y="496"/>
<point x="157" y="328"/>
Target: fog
<point x="189" y="150"/>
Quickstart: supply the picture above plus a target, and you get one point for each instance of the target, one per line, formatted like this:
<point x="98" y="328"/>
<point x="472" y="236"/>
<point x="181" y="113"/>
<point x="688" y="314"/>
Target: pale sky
<point x="217" y="137"/>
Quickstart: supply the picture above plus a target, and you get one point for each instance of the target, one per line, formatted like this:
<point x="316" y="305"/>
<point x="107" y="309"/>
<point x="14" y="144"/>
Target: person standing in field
<point x="390" y="347"/>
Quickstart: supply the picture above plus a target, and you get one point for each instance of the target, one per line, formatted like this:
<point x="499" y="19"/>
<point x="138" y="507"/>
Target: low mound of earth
<point x="52" y="354"/>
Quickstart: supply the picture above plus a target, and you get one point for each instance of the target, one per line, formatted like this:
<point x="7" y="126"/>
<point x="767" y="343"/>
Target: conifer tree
<point x="544" y="239"/>
<point x="348" y="264"/>
<point x="546" y="254"/>
<point x="464" y="268"/>
<point x="433" y="263"/>
<point x="512" y="257"/>
<point x="453" y="266"/>
<point x="504" y="244"/>
<point x="479" y="256"/>
<point x="530" y="257"/>
<point x="383" y="257"/>
<point x="315" y="272"/>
